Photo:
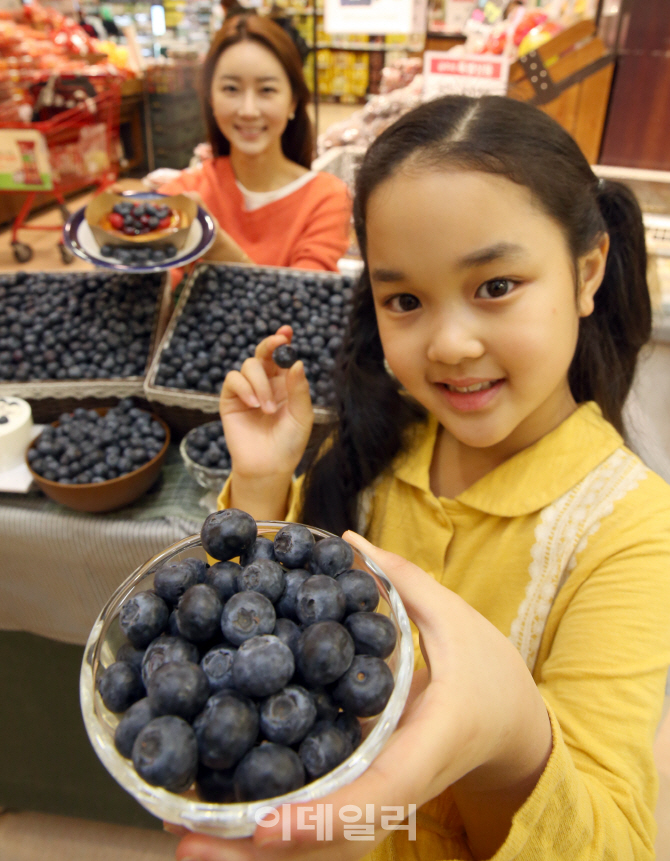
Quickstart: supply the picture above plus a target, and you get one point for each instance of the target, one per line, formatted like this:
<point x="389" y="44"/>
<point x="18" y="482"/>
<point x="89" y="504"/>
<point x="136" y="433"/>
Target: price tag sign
<point x="465" y="74"/>
<point x="24" y="161"/>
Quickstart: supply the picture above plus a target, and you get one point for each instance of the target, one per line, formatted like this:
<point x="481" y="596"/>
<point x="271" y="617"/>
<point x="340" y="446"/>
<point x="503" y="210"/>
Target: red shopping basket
<point x="63" y="150"/>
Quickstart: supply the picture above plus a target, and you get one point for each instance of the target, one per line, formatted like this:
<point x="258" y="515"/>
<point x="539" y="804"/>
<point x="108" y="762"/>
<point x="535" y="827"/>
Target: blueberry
<point x="373" y="634"/>
<point x="365" y="687"/>
<point x="360" y="590"/>
<point x="289" y="633"/>
<point x="262" y="666"/>
<point x="350" y="726"/>
<point x="262" y="548"/>
<point x="287" y="716"/>
<point x="326" y="709"/>
<point x="120" y="685"/>
<point x="293" y="545"/>
<point x="246" y="615"/>
<point x="222" y="578"/>
<point x="226" y="534"/>
<point x="325" y="652"/>
<point x="143" y="617"/>
<point x="166" y="649"/>
<point x="319" y="599"/>
<point x="165" y="753"/>
<point x="331" y="556"/>
<point x="198" y="566"/>
<point x="172" y="627"/>
<point x="128" y="728"/>
<point x="264" y="576"/>
<point x="324" y="748"/>
<point x="171" y="581"/>
<point x="293" y="580"/>
<point x="128" y="653"/>
<point x="215" y="785"/>
<point x="218" y="667"/>
<point x="226" y="729"/>
<point x="178" y="689"/>
<point x="268" y="771"/>
<point x="285" y="355"/>
<point x="199" y="613"/>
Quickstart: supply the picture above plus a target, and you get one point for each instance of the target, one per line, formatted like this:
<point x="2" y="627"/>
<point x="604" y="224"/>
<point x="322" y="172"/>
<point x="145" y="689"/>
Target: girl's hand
<point x="475" y="721"/>
<point x="224" y="249"/>
<point x="267" y="413"/>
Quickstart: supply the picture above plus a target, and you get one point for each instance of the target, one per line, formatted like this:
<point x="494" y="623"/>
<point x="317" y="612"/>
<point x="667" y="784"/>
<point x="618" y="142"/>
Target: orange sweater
<point x="308" y="229"/>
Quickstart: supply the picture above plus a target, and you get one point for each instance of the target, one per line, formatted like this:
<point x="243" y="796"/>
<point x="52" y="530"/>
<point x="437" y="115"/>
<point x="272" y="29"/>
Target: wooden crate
<point x="569" y="78"/>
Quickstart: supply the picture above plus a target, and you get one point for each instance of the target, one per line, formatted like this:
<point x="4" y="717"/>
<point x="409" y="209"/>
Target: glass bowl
<point x="206" y="476"/>
<point x="230" y="820"/>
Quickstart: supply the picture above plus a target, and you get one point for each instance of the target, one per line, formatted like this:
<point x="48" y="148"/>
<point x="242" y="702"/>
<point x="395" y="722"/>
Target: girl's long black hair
<point x="512" y="139"/>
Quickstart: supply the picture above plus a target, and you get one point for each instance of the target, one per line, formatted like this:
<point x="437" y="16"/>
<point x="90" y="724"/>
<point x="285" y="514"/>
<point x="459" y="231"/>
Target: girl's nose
<point x="249" y="107"/>
<point x="456" y="337"/>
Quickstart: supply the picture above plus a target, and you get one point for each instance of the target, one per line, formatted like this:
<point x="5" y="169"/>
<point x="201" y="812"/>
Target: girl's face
<point x="474" y="291"/>
<point x="251" y="98"/>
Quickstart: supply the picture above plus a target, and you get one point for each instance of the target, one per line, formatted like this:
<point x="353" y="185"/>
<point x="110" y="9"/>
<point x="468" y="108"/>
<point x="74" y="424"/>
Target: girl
<point x="270" y="208"/>
<point x="492" y="343"/>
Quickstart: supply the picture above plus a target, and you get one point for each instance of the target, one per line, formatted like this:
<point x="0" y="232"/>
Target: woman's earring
<point x="291" y="116"/>
<point x="388" y="370"/>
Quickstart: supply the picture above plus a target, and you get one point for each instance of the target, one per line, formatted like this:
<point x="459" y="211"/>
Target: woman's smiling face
<point x="474" y="291"/>
<point x="251" y="98"/>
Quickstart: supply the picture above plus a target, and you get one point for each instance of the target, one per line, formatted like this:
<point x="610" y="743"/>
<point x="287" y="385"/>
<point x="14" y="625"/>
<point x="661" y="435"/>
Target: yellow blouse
<point x="565" y="548"/>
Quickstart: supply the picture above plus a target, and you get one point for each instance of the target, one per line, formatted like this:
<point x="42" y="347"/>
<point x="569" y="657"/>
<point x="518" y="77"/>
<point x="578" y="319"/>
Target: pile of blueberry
<point x="75" y="326"/>
<point x="249" y="678"/>
<point x="206" y="445"/>
<point x="87" y="448"/>
<point x="136" y="219"/>
<point x="229" y="310"/>
<point x="146" y="255"/>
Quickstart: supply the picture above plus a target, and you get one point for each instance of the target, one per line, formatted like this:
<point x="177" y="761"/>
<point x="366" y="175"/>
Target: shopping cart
<point x="62" y="149"/>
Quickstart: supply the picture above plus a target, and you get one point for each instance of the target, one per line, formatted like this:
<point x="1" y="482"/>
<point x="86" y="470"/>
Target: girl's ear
<point x="591" y="270"/>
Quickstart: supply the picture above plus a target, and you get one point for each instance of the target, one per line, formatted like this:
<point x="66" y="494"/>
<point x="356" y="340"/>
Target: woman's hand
<point x="224" y="249"/>
<point x="267" y="419"/>
<point x="475" y="721"/>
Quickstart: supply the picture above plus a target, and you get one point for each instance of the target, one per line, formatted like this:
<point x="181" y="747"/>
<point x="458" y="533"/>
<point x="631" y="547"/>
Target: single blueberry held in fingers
<point x="293" y="545"/>
<point x="262" y="548"/>
<point x="143" y="617"/>
<point x="331" y="556"/>
<point x="366" y="686"/>
<point x="226" y="729"/>
<point x="218" y="667"/>
<point x="215" y="785"/>
<point x="171" y="581"/>
<point x="262" y="666"/>
<point x="268" y="771"/>
<point x="128" y="728"/>
<point x="325" y="652"/>
<point x="246" y="615"/>
<point x="324" y="748"/>
<point x="284" y="356"/>
<point x="222" y="578"/>
<point x="373" y="634"/>
<point x="293" y="580"/>
<point x="166" y="649"/>
<point x="128" y="653"/>
<point x="287" y="716"/>
<point x="350" y="726"/>
<point x="165" y="753"/>
<point x="178" y="689"/>
<point x="360" y="590"/>
<point x="264" y="576"/>
<point x="289" y="633"/>
<point x="120" y="686"/>
<point x="319" y="599"/>
<point x="225" y="534"/>
<point x="199" y="613"/>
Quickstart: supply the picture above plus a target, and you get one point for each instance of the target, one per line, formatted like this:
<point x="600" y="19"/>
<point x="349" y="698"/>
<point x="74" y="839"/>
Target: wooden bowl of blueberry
<point x="99" y="460"/>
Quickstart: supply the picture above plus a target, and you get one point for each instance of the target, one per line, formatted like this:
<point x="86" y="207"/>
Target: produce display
<point x="249" y="679"/>
<point x="88" y="448"/>
<point x="229" y="310"/>
<point x="206" y="446"/>
<point x="139" y="256"/>
<point x="75" y="326"/>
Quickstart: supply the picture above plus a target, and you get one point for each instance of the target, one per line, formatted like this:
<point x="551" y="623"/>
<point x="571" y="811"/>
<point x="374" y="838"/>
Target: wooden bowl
<point x="104" y="495"/>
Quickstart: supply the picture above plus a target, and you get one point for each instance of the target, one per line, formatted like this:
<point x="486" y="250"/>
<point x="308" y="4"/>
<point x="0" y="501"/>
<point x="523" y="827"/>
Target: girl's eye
<point x="496" y="288"/>
<point x="403" y="302"/>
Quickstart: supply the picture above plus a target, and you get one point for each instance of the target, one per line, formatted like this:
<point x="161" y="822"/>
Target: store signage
<point x="445" y="74"/>
<point x="24" y="161"/>
<point x="375" y="17"/>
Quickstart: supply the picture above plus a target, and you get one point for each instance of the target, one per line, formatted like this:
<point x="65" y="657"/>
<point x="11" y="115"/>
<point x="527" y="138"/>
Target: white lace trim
<point x="562" y="532"/>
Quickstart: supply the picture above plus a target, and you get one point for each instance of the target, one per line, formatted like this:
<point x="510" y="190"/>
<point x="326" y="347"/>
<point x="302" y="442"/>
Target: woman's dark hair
<point x="298" y="138"/>
<point x="501" y="136"/>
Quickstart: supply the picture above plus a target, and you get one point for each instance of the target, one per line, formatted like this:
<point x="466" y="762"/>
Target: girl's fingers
<point x="268" y="345"/>
<point x="255" y="373"/>
<point x="299" y="399"/>
<point x="237" y="388"/>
